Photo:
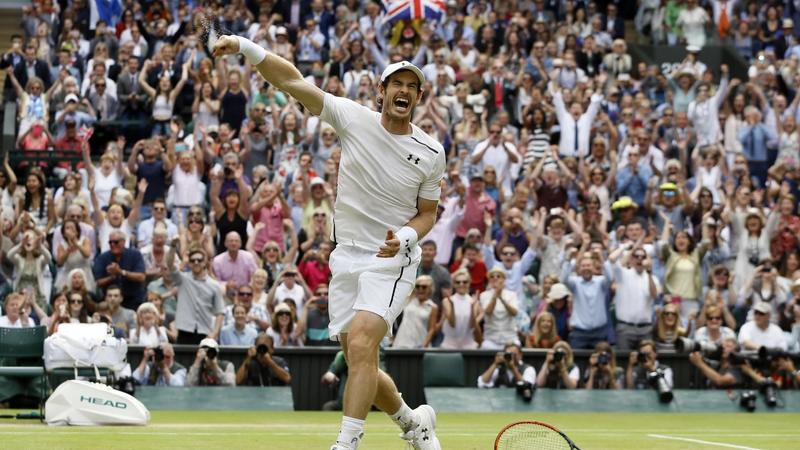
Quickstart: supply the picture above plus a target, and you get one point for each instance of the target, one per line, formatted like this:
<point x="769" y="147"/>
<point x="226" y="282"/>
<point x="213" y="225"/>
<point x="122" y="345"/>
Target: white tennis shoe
<point x="423" y="437"/>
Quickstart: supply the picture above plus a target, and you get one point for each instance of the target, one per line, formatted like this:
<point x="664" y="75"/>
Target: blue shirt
<point x="634" y="186"/>
<point x="231" y="336"/>
<point x="153" y="172"/>
<point x="588" y="299"/>
<point x="754" y="141"/>
<point x="131" y="260"/>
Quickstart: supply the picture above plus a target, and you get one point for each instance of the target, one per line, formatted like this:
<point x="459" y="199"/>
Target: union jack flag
<point x="433" y="10"/>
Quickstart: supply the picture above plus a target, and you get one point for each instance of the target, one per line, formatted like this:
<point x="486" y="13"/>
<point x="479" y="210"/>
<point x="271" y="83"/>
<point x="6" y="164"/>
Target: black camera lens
<point x="558" y="355"/>
<point x="641" y="358"/>
<point x="747" y="400"/>
<point x="211" y="352"/>
<point x="602" y="359"/>
<point x="508" y="356"/>
<point x="262" y="349"/>
<point x="159" y="354"/>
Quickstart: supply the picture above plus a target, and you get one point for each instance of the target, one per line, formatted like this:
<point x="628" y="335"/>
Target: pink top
<point x="474" y="206"/>
<point x="272" y="217"/>
<point x="239" y="270"/>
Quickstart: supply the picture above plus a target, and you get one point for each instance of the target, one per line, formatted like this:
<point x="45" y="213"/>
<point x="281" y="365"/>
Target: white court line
<point x="699" y="441"/>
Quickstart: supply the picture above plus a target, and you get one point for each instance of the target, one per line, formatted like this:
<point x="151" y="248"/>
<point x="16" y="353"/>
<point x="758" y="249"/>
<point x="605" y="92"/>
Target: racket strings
<point x="531" y="436"/>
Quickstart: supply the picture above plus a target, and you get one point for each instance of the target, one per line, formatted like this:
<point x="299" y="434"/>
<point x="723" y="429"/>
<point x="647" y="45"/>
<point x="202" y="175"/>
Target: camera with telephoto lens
<point x="659" y="383"/>
<point x="508" y="356"/>
<point x="525" y="390"/>
<point x="262" y="349"/>
<point x="602" y="359"/>
<point x="558" y="355"/>
<point x="641" y="358"/>
<point x="707" y="348"/>
<point x="770" y="390"/>
<point x="747" y="400"/>
<point x="158" y="354"/>
<point x="211" y="352"/>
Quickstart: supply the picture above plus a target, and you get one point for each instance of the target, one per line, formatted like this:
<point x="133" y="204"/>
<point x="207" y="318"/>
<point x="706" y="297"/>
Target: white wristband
<point x="252" y="52"/>
<point x="408" y="237"/>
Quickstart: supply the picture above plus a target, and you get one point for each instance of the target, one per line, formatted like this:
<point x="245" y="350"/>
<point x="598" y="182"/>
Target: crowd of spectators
<point x="588" y="203"/>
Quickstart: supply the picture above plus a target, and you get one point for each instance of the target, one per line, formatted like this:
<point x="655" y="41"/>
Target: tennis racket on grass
<point x="528" y="435"/>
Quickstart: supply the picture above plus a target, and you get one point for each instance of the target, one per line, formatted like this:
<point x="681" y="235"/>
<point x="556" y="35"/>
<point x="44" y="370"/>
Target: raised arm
<point x="275" y="69"/>
<point x="143" y="79"/>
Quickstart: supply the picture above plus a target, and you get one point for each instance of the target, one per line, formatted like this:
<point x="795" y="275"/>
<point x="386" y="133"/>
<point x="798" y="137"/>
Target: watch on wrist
<point x="124" y="274"/>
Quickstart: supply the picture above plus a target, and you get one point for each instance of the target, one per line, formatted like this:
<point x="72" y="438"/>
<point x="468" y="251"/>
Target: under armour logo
<point x="425" y="436"/>
<point x="413" y="158"/>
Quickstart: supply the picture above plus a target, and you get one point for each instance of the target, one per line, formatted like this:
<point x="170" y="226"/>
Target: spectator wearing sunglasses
<point x="500" y="307"/>
<point x="123" y="267"/>
<point x="256" y="316"/>
<point x="314" y="322"/>
<point x="420" y="316"/>
<point x="201" y="308"/>
<point x="636" y="293"/>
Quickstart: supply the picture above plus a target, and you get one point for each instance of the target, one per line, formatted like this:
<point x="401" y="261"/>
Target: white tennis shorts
<point x="360" y="281"/>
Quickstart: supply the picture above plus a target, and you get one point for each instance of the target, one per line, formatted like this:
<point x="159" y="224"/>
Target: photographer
<point x="508" y="370"/>
<point x="644" y="362"/>
<point x="207" y="370"/>
<point x="603" y="372"/>
<point x="559" y="371"/>
<point x="260" y="368"/>
<point x="158" y="368"/>
<point x="720" y="374"/>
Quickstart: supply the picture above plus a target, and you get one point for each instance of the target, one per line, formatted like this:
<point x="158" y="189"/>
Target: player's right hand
<point x="390" y="246"/>
<point x="226" y="45"/>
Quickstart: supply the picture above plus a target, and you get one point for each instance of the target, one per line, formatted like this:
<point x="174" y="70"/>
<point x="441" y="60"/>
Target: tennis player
<point x="388" y="192"/>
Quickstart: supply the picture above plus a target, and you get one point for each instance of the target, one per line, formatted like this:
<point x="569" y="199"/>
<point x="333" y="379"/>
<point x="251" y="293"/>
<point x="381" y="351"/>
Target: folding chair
<point x="21" y="351"/>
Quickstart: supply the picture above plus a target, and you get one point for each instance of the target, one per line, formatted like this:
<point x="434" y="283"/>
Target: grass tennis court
<point x="457" y="431"/>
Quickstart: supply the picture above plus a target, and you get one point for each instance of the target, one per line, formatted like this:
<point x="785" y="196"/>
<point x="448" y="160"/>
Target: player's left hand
<point x="226" y="45"/>
<point x="390" y="246"/>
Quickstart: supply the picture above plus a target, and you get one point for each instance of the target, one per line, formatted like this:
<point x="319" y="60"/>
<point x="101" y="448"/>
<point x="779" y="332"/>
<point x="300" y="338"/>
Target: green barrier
<point x="581" y="400"/>
<point x="213" y="398"/>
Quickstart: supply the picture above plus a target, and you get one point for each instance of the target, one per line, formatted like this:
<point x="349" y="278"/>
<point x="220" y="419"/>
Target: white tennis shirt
<point x="381" y="175"/>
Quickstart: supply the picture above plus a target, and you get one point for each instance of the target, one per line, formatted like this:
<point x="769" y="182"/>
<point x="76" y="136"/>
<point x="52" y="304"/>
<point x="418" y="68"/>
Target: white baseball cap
<point x="403" y="65"/>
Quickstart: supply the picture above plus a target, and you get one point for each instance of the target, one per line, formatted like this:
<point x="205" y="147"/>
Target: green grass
<point x="457" y="431"/>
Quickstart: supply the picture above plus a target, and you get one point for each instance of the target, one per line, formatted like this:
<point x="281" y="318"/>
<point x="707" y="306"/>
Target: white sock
<point x="351" y="432"/>
<point x="405" y="417"/>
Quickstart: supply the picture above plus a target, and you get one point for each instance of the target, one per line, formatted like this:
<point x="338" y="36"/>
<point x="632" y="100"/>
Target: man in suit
<point x="30" y="67"/>
<point x="132" y="99"/>
<point x="498" y="89"/>
<point x="103" y="103"/>
<point x="293" y="12"/>
<point x="613" y="23"/>
<point x="323" y="17"/>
